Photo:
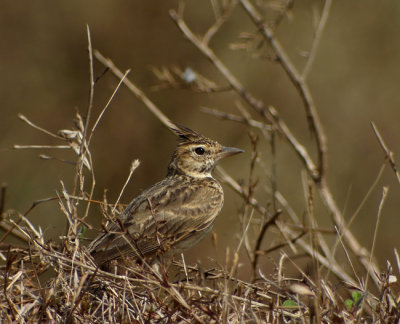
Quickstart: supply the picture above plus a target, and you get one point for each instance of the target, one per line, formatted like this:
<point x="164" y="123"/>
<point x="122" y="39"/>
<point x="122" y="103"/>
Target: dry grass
<point x="80" y="292"/>
<point x="347" y="290"/>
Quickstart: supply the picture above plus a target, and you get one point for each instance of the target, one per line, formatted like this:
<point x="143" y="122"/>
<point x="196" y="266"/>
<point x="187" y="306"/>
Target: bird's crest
<point x="186" y="134"/>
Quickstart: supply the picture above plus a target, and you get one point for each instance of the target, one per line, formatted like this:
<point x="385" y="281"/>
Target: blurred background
<point x="44" y="75"/>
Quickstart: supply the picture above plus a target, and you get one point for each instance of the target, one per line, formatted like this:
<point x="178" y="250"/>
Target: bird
<point x="174" y="214"/>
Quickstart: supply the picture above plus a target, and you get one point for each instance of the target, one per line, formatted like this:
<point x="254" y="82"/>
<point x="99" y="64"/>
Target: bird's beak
<point x="228" y="151"/>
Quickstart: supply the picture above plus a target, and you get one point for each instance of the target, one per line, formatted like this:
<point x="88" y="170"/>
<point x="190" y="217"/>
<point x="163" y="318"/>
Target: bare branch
<point x="136" y="91"/>
<point x="220" y="20"/>
<point x="236" y="118"/>
<point x="259" y="240"/>
<point x="107" y="105"/>
<point x="271" y="116"/>
<point x="317" y="38"/>
<point x="297" y="80"/>
<point x="26" y="120"/>
<point x="385" y="191"/>
<point x="330" y="264"/>
<point x="388" y="152"/>
<point x="23" y="147"/>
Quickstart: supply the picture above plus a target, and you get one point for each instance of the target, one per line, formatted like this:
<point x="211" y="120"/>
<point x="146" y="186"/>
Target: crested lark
<point x="175" y="213"/>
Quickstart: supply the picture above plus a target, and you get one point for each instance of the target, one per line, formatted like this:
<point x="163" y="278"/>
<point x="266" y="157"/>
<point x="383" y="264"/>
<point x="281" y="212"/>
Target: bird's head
<point x="196" y="155"/>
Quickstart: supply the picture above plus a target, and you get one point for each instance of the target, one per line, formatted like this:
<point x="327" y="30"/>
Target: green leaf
<point x="356" y="295"/>
<point x="289" y="302"/>
<point x="349" y="304"/>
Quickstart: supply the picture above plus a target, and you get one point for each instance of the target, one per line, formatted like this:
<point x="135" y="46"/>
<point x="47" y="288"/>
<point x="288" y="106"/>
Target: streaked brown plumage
<point x="175" y="213"/>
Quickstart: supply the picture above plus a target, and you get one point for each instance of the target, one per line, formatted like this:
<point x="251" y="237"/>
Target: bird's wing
<point x="161" y="217"/>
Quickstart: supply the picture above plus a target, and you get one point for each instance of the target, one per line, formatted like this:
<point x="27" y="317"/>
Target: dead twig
<point x="272" y="117"/>
<point x="259" y="241"/>
<point x="387" y="151"/>
<point x="134" y="89"/>
<point x="317" y="38"/>
<point x="297" y="80"/>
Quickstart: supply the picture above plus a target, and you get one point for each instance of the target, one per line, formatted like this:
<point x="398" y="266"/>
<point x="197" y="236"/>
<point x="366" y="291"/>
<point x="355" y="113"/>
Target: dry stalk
<point x="271" y="116"/>
<point x="81" y="292"/>
<point x="387" y="151"/>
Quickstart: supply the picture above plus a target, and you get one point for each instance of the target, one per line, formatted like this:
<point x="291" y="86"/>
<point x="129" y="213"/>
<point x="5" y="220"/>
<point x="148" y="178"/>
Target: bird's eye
<point x="199" y="150"/>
